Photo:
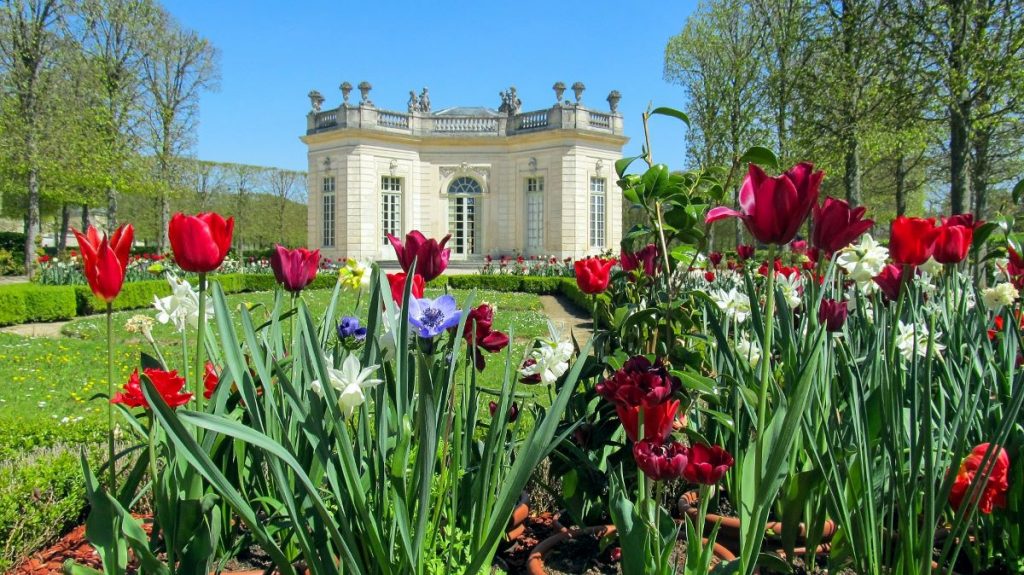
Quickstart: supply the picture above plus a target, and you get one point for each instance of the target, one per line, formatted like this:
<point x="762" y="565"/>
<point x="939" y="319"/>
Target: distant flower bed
<point x="545" y="266"/>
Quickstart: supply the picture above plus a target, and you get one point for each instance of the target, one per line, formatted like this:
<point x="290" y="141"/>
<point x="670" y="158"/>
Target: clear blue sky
<point x="273" y="53"/>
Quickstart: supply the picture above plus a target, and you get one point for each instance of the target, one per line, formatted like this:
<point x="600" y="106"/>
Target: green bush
<point x="259" y="282"/>
<point x="41" y="495"/>
<point x="541" y="285"/>
<point x="135" y="295"/>
<point x="585" y="301"/>
<point x="12" y="306"/>
<point x="495" y="283"/>
<point x="10" y="263"/>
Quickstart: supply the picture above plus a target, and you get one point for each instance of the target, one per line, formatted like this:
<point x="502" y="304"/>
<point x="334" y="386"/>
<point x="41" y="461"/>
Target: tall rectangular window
<point x="597" y="212"/>
<point x="534" y="213"/>
<point x="328" y="212"/>
<point x="390" y="207"/>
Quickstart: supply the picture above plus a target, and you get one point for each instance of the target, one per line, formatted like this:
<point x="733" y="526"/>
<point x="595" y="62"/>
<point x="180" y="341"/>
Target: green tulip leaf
<point x="761" y="156"/>
<point x="673" y="113"/>
<point x="1018" y="191"/>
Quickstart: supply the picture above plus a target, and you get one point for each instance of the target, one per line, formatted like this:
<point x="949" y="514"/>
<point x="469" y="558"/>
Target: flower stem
<point x="201" y="343"/>
<point x="766" y="359"/>
<point x="110" y="395"/>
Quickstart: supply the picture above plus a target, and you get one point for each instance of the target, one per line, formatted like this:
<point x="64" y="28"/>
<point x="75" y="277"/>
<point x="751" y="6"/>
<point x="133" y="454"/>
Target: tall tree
<point x="29" y="41"/>
<point x="178" y="65"/>
<point x="287" y="186"/>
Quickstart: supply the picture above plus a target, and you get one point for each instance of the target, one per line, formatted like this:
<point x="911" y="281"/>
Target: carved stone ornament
<point x="599" y="167"/>
<point x="466" y="170"/>
<point x="533" y="164"/>
<point x="327" y="163"/>
<point x="346" y="89"/>
<point x="316" y="100"/>
<point x="559" y="89"/>
<point x="393" y="167"/>
<point x="577" y="90"/>
<point x="613" y="101"/>
<point x="364" y="93"/>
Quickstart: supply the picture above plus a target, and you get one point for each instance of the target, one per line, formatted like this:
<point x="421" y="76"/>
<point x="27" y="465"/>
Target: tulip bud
<point x="832" y="314"/>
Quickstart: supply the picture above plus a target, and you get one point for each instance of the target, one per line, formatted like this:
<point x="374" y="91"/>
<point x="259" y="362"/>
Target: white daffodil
<point x="913" y="338"/>
<point x="354" y="275"/>
<point x="734" y="303"/>
<point x="550" y="358"/>
<point x="181" y="308"/>
<point x="748" y="350"/>
<point x="790" y="286"/>
<point x="349" y="382"/>
<point x="1000" y="295"/>
<point x="864" y="260"/>
<point x="931" y="267"/>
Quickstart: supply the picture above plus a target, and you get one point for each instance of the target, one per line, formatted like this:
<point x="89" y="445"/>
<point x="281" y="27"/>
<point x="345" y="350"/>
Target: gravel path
<point x="566" y="316"/>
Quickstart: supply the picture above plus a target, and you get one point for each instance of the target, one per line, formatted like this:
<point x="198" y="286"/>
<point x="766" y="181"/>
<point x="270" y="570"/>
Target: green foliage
<point x="506" y="283"/>
<point x="10" y="263"/>
<point x="20" y="303"/>
<point x="41" y="494"/>
<point x="12" y="307"/>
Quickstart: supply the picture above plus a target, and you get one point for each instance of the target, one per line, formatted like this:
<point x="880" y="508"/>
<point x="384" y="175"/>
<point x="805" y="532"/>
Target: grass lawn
<point x="47" y="386"/>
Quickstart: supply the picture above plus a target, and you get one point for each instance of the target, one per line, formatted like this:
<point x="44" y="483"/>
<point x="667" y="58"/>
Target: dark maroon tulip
<point x="639" y="383"/>
<point x="430" y="255"/>
<point x="744" y="252"/>
<point x="912" y="240"/>
<point x="529" y="379"/>
<point x="832" y="314"/>
<point x="479" y="323"/>
<point x="646" y="260"/>
<point x="660" y="461"/>
<point x="889" y="280"/>
<point x="513" y="410"/>
<point x="716" y="258"/>
<point x="774" y="208"/>
<point x="836" y="225"/>
<point x="707" y="465"/>
<point x="953" y="239"/>
<point x="294" y="269"/>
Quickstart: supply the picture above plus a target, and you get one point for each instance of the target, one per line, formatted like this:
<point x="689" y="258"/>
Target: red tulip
<point x="716" y="258"/>
<point x="993" y="494"/>
<point x="200" y="242"/>
<point x="774" y="208"/>
<point x="513" y="410"/>
<point x="1015" y="267"/>
<point x="953" y="239"/>
<point x="798" y="246"/>
<point x="105" y="260"/>
<point x="660" y="461"/>
<point x="592" y="274"/>
<point x="641" y="384"/>
<point x="294" y="269"/>
<point x="911" y="240"/>
<point x="397" y="282"/>
<point x="709" y="276"/>
<point x="889" y="280"/>
<point x="431" y="256"/>
<point x="744" y="252"/>
<point x="836" y="225"/>
<point x="168" y="383"/>
<point x="646" y="260"/>
<point x="832" y="314"/>
<point x="707" y="465"/>
<point x="210" y="380"/>
<point x="479" y="323"/>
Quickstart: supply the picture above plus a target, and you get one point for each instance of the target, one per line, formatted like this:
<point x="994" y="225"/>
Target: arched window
<point x="464" y="185"/>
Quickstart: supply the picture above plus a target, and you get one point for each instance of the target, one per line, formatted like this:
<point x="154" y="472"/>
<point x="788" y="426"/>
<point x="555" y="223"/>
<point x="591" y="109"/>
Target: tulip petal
<point x="720" y="213"/>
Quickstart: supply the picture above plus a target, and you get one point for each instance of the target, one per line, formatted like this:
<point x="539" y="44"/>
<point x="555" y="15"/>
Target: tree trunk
<point x="111" y="208"/>
<point x="62" y="229"/>
<point x="851" y="176"/>
<point x="86" y="220"/>
<point x="32" y="223"/>
<point x="901" y="184"/>
<point x="980" y="173"/>
<point x="165" y="217"/>
<point x="959" y="186"/>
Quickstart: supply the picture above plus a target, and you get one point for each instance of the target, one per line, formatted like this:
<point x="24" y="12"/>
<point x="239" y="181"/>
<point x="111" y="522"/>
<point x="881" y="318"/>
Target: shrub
<point x="136" y="295"/>
<point x="20" y="303"/>
<point x="12" y="306"/>
<point x="259" y="282"/>
<point x="585" y="301"/>
<point x="13" y="242"/>
<point x="41" y="494"/>
<point x="10" y="264"/>
<point x="495" y="283"/>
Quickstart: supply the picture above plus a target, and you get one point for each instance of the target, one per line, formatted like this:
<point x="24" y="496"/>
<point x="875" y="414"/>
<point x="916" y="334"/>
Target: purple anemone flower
<point x="432" y="317"/>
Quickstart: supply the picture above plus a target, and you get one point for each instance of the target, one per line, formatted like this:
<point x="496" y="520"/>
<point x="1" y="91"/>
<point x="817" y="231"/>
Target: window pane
<point x="597" y="212"/>
<point x="328" y="214"/>
<point x="390" y="207"/>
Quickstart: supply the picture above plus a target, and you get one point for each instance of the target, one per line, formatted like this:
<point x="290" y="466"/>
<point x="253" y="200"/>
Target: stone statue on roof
<point x="414" y="102"/>
<point x="424" y="100"/>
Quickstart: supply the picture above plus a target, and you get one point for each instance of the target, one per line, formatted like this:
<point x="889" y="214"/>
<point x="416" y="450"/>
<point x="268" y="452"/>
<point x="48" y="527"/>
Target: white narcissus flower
<point x="551" y="357"/>
<point x="791" y="286"/>
<point x="931" y="267"/>
<point x="349" y="382"/>
<point x="734" y="303"/>
<point x="863" y="261"/>
<point x="181" y="308"/>
<point x="748" y="350"/>
<point x="913" y="338"/>
<point x="1000" y="295"/>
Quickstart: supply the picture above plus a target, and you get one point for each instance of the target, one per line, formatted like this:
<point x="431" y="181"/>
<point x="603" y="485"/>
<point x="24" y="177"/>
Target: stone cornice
<point x="356" y="136"/>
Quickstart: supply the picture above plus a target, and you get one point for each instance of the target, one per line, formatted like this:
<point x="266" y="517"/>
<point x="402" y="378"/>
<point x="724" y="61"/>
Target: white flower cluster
<point x="863" y="261"/>
<point x="913" y="338"/>
<point x="181" y="308"/>
<point x="349" y="382"/>
<point x="551" y="357"/>
<point x="1000" y="295"/>
<point x="734" y="303"/>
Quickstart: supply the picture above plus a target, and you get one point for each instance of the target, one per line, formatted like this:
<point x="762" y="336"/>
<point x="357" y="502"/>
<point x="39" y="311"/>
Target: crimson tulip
<point x="993" y="494"/>
<point x="646" y="260"/>
<point x="167" y="383"/>
<point x="294" y="269"/>
<point x="660" y="461"/>
<point x="478" y="323"/>
<point x="911" y="240"/>
<point x="431" y="256"/>
<point x="832" y="314"/>
<point x="397" y="282"/>
<point x="210" y="380"/>
<point x="1015" y="267"/>
<point x="953" y="239"/>
<point x="104" y="260"/>
<point x="593" y="274"/>
<point x="798" y="246"/>
<point x="707" y="465"/>
<point x="744" y="252"/>
<point x="200" y="242"/>
<point x="716" y="258"/>
<point x="774" y="208"/>
<point x="531" y="379"/>
<point x="836" y="225"/>
<point x="513" y="410"/>
<point x="889" y="280"/>
<point x="637" y="385"/>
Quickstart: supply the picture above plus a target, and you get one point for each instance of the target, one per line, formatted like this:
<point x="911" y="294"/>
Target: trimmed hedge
<point x="504" y="283"/>
<point x="20" y="303"/>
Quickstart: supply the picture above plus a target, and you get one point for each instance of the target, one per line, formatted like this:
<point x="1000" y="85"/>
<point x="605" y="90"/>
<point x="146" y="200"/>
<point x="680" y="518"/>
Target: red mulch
<point x="538" y="528"/>
<point x="73" y="546"/>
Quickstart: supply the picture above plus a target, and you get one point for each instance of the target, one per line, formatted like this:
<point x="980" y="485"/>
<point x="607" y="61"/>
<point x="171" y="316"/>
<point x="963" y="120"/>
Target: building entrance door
<point x="463" y="213"/>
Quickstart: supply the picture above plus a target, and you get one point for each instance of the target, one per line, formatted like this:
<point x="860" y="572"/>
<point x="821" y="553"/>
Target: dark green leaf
<point x="761" y="156"/>
<point x="672" y="112"/>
